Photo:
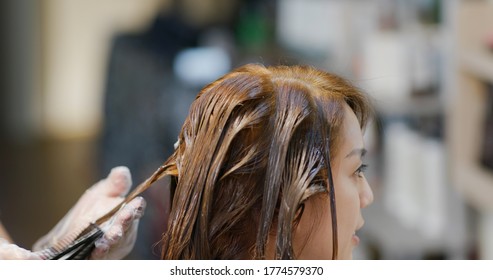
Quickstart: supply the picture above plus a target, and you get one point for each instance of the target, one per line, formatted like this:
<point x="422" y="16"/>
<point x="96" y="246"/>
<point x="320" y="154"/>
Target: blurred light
<point x="199" y="66"/>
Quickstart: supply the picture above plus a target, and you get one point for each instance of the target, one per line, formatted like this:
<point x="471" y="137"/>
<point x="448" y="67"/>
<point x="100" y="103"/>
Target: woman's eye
<point x="361" y="169"/>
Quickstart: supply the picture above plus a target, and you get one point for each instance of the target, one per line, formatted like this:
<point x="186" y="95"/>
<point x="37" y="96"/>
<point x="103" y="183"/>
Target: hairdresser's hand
<point x="120" y="231"/>
<point x="10" y="251"/>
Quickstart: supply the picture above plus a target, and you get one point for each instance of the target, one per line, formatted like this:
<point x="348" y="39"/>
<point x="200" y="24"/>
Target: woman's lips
<point x="355" y="239"/>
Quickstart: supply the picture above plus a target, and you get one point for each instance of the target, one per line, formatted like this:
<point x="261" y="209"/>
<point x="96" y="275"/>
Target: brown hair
<point x="255" y="146"/>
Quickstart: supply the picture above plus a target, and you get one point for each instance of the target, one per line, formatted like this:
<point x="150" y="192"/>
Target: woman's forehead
<point x="352" y="136"/>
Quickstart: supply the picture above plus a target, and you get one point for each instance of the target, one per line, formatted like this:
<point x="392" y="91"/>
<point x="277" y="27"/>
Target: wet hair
<point x="257" y="143"/>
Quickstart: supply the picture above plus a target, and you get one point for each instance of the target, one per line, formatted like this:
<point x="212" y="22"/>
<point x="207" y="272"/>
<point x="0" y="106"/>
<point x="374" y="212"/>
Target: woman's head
<point x="267" y="165"/>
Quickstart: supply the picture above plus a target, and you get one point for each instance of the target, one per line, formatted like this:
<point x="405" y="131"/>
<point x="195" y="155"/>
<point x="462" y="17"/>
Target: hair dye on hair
<point x="256" y="145"/>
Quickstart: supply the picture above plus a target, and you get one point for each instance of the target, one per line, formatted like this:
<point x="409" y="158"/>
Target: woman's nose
<point x="366" y="195"/>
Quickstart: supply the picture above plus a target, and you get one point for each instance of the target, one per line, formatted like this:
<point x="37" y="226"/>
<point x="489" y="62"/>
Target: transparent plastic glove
<point x="120" y="231"/>
<point x="10" y="251"/>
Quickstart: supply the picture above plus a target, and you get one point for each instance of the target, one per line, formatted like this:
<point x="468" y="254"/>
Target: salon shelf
<point x="466" y="114"/>
<point x="478" y="63"/>
<point x="466" y="130"/>
<point x="465" y="127"/>
<point x="467" y="109"/>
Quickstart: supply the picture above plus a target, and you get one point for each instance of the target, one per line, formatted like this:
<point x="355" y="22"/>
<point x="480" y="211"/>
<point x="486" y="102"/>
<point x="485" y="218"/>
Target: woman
<point x="268" y="165"/>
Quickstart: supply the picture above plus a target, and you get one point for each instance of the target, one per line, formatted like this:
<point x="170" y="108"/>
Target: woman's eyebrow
<point x="361" y="152"/>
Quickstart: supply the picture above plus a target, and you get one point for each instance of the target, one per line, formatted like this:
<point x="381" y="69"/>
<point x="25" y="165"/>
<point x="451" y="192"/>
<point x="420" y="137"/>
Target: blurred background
<point x="86" y="85"/>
